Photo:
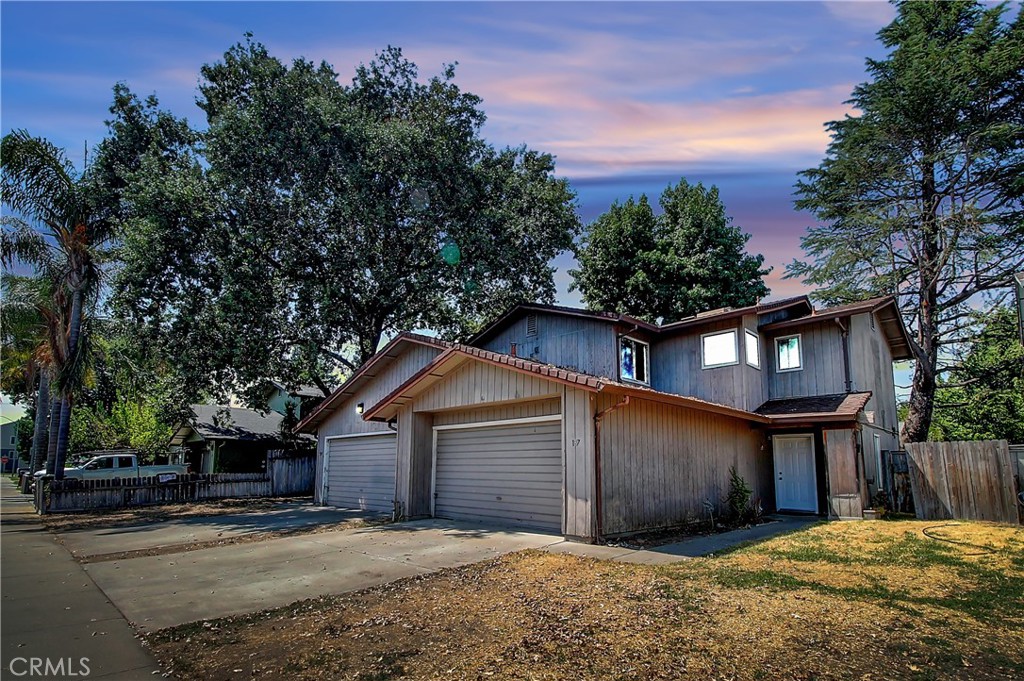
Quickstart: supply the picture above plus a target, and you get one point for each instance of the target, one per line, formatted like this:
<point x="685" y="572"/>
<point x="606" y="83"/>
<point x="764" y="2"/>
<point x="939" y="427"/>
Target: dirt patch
<point x="870" y="600"/>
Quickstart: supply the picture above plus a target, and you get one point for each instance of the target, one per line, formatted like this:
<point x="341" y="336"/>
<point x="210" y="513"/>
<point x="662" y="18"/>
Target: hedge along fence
<point x="59" y="496"/>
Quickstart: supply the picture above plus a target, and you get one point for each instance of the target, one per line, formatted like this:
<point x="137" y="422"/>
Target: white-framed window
<point x="718" y="349"/>
<point x="634" y="356"/>
<point x="752" y="347"/>
<point x="788" y="355"/>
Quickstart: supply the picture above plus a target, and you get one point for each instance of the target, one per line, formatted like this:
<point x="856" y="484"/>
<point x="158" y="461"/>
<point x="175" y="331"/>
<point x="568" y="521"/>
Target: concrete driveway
<point x="289" y="515"/>
<point x="160" y="591"/>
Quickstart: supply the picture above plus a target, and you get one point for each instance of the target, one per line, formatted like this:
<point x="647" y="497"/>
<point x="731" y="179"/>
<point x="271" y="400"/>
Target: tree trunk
<point x="41" y="427"/>
<point x="62" y="438"/>
<point x="922" y="395"/>
<point x="51" y="437"/>
<point x="74" y="330"/>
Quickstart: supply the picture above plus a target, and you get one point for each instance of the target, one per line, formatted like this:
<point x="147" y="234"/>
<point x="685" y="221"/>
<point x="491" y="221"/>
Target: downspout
<point x="598" y="494"/>
<point x="396" y="505"/>
<point x="846" y="354"/>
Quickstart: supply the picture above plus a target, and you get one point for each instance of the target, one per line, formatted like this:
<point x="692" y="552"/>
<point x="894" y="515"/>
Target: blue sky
<point x="629" y="97"/>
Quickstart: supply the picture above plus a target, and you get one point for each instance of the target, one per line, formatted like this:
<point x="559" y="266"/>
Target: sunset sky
<point x="629" y="97"/>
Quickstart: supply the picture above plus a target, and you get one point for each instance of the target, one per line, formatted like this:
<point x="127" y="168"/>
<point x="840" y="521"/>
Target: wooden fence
<point x="963" y="480"/>
<point x="288" y="473"/>
<point x="291" y="472"/>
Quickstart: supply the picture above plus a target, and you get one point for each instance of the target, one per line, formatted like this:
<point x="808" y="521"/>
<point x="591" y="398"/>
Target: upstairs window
<point x="719" y="349"/>
<point x="633" y="360"/>
<point x="531" y="325"/>
<point x="787" y="353"/>
<point x="752" y="346"/>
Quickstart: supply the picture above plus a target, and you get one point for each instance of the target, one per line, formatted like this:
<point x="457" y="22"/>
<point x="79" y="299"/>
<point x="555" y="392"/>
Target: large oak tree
<point x="310" y="220"/>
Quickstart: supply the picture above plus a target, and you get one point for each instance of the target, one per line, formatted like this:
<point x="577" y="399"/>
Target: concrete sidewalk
<point x="53" y="610"/>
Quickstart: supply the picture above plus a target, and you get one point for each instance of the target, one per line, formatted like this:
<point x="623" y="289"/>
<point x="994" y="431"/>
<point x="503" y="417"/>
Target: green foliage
<point x="25" y="429"/>
<point x="311" y="219"/>
<point x="738" y="499"/>
<point x="920" y="195"/>
<point x="688" y="260"/>
<point x="983" y="399"/>
<point x="127" y="424"/>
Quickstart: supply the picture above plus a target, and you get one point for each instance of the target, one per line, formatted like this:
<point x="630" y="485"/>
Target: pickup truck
<point x="124" y="466"/>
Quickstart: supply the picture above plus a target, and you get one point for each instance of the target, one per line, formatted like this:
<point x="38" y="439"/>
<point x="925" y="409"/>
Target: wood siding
<point x="502" y="412"/>
<point x="676" y="367"/>
<point x="821" y="371"/>
<point x="871" y="369"/>
<point x="584" y="345"/>
<point x="479" y="383"/>
<point x="344" y="420"/>
<point x="846" y="493"/>
<point x="660" y="463"/>
<point x="578" y="446"/>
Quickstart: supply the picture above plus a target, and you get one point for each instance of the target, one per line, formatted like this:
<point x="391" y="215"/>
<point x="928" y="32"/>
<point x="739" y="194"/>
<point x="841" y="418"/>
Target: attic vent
<point x="531" y="325"/>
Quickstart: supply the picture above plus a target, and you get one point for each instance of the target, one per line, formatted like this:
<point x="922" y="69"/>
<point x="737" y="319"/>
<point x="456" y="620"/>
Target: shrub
<point x="738" y="500"/>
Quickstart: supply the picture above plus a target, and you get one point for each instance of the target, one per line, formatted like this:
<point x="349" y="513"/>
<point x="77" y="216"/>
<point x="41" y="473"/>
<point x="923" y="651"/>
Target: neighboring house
<point x="9" y="445"/>
<point x="592" y="424"/>
<point x="303" y="399"/>
<point x="220" y="439"/>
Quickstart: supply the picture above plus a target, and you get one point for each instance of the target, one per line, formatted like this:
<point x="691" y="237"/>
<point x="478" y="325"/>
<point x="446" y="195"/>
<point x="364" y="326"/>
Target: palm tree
<point x="32" y="321"/>
<point x="54" y="222"/>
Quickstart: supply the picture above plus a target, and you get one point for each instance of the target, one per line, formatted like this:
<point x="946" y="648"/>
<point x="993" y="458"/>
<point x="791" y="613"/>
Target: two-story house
<point x="593" y="424"/>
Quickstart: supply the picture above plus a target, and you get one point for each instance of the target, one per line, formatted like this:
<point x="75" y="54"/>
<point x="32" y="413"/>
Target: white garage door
<point x="503" y="474"/>
<point x="361" y="472"/>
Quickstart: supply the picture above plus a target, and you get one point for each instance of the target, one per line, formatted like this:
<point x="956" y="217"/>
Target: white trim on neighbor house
<point x="799" y="353"/>
<point x="748" y="334"/>
<point x="468" y="426"/>
<point x="647" y="360"/>
<point x="735" y="349"/>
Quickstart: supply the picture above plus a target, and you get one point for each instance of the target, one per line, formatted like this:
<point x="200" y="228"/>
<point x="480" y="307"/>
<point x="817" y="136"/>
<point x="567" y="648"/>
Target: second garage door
<point x="361" y="472"/>
<point x="508" y="474"/>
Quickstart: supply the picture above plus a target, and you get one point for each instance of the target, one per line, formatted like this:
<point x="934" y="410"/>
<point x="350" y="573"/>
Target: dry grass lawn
<point x="865" y="600"/>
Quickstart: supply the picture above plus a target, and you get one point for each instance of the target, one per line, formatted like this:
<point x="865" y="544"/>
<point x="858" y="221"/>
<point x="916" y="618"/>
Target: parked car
<point x="110" y="466"/>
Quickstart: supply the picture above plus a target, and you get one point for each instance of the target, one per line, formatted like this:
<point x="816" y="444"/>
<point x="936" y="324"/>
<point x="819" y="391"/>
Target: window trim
<point x="746" y="355"/>
<point x="799" y="353"/>
<point x="647" y="360"/>
<point x="735" y="347"/>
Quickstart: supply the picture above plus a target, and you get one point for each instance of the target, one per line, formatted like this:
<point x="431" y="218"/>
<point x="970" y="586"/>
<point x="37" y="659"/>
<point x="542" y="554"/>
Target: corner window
<point x="787" y="353"/>
<point x="752" y="347"/>
<point x="633" y="356"/>
<point x="719" y="349"/>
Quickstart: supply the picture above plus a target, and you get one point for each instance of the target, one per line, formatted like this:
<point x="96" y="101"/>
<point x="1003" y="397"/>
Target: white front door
<point x="796" y="487"/>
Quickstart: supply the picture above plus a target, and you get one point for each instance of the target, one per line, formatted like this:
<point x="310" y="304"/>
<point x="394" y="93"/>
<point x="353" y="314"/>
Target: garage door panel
<point x="361" y="472"/>
<point x="505" y="474"/>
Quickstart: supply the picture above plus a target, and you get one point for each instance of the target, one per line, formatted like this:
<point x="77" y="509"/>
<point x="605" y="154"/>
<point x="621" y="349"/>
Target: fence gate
<point x="896" y="481"/>
<point x="291" y="472"/>
<point x="963" y="480"/>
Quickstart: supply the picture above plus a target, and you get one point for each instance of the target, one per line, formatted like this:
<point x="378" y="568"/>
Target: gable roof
<point x="298" y="391"/>
<point x="725" y="313"/>
<point x="365" y="373"/>
<point x="213" y="422"/>
<point x="836" y="407"/>
<point x="615" y="318"/>
<point x="457" y="355"/>
<point x="519" y="310"/>
<point x="886" y="312"/>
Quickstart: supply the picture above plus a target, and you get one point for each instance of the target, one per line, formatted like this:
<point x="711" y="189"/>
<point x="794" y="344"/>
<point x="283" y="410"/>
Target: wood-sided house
<point x="590" y="424"/>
